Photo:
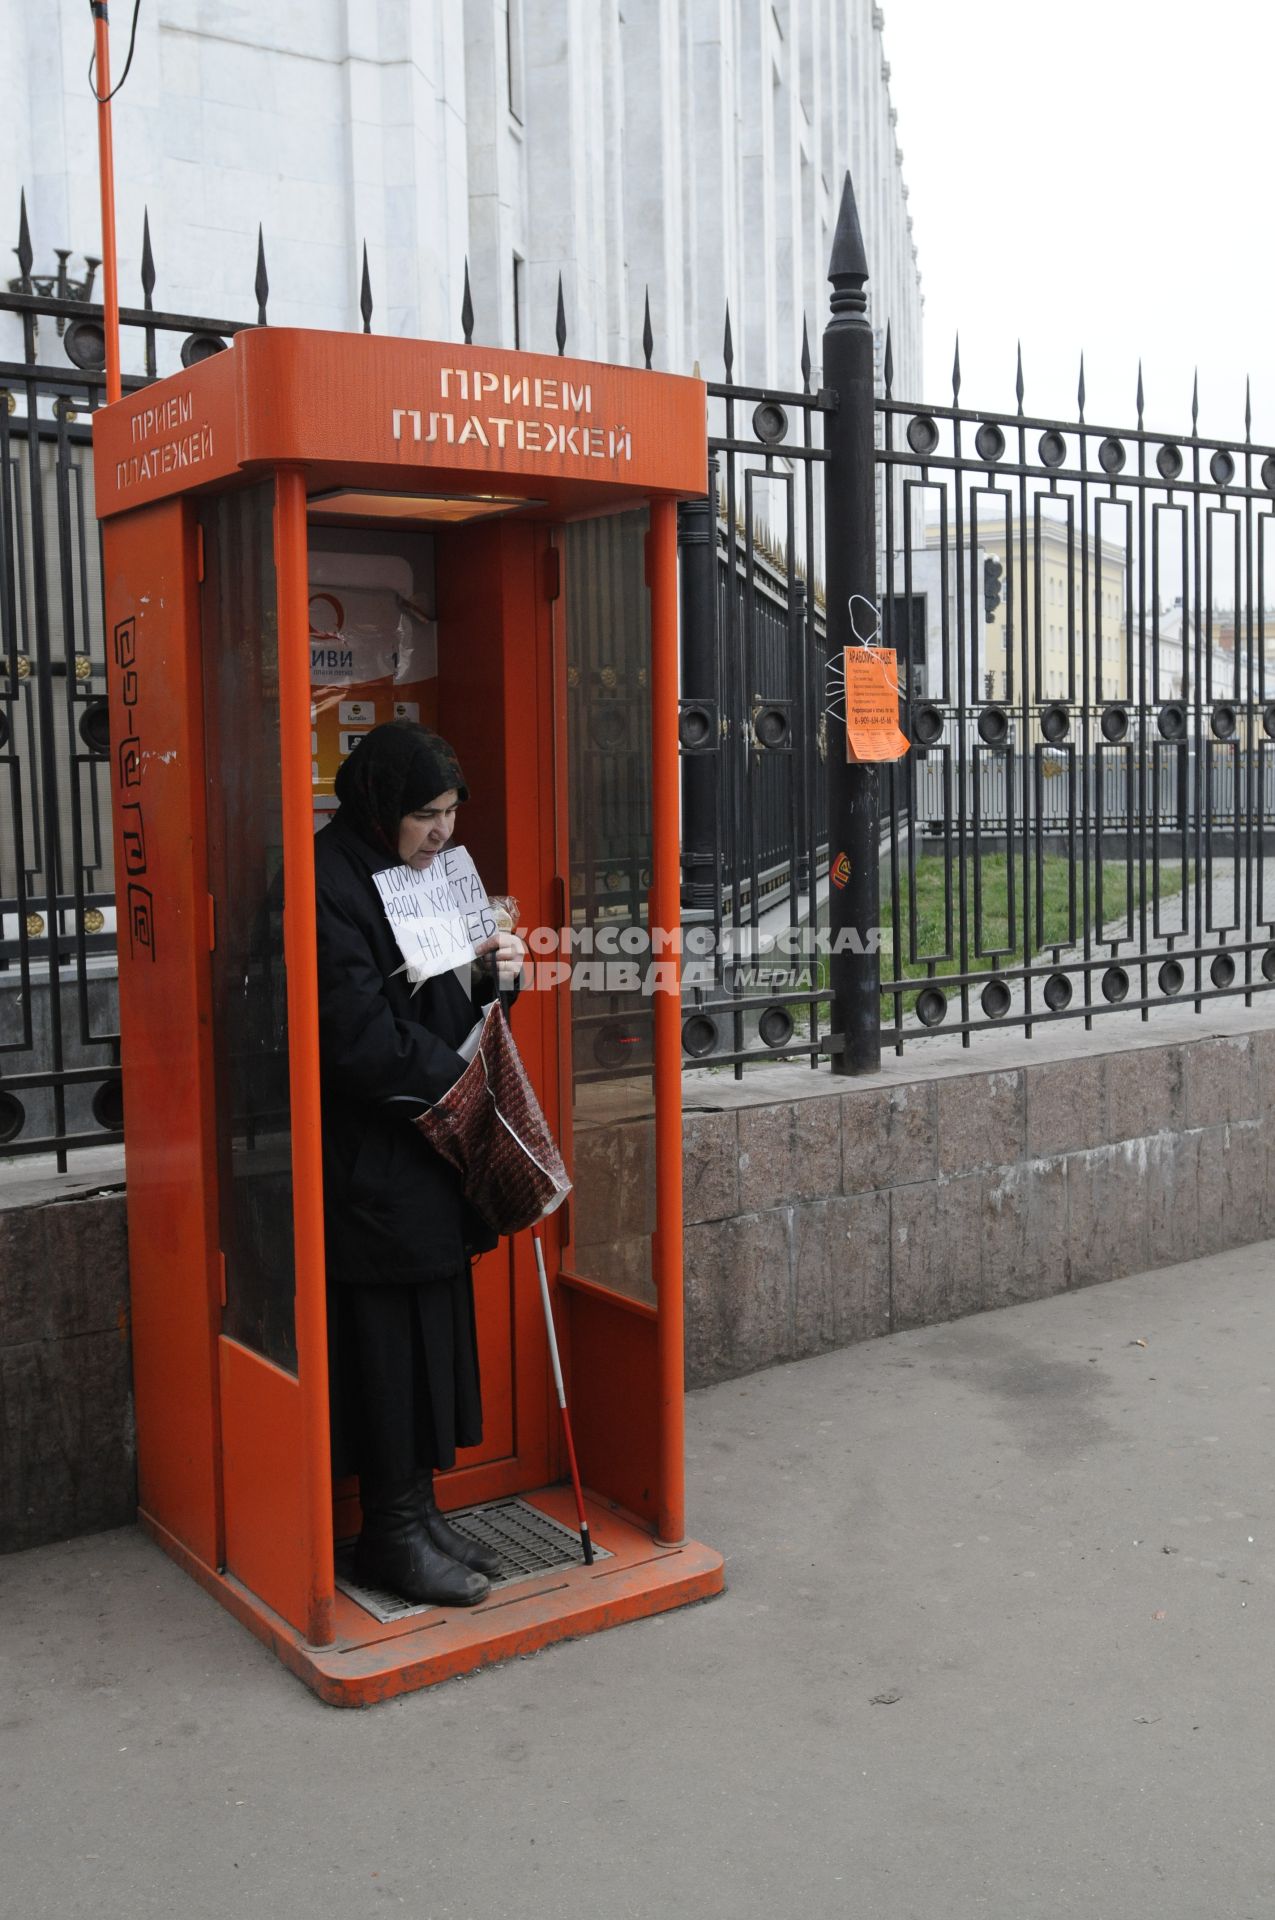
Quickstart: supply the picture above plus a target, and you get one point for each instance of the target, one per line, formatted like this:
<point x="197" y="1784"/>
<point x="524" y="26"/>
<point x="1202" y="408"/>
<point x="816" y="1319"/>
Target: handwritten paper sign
<point x="872" y="705"/>
<point x="438" y="916"/>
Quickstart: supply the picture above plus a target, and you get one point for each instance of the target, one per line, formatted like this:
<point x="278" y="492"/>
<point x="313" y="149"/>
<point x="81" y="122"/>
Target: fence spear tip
<point x="848" y="261"/>
<point x="148" y="260"/>
<point x="24" y="249"/>
<point x="365" y="295"/>
<point x="560" y="324"/>
<point x="261" y="285"/>
<point x="1019" y="388"/>
<point x="467" y="309"/>
<point x="648" y="337"/>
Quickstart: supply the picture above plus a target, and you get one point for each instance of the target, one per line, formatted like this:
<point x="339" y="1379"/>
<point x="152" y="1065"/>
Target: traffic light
<point x="992" y="571"/>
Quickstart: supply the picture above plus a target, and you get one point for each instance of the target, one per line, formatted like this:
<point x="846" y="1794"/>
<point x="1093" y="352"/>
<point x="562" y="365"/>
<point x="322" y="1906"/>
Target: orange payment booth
<point x="305" y="536"/>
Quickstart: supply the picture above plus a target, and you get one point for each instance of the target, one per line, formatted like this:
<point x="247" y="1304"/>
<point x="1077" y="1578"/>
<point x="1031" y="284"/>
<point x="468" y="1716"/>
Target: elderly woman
<point x="404" y="1355"/>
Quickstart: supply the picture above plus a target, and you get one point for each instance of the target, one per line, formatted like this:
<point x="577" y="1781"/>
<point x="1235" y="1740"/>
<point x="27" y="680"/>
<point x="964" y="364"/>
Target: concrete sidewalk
<point x="997" y="1642"/>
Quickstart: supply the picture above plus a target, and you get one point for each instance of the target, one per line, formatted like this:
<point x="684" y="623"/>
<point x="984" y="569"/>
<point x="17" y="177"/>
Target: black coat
<point x="392" y="1208"/>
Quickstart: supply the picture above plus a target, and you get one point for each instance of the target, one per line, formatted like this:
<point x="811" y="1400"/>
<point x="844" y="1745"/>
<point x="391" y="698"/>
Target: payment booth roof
<point x="406" y="417"/>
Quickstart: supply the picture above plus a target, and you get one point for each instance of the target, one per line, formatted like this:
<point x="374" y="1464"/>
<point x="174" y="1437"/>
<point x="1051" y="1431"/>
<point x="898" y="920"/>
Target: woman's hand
<point x="506" y="952"/>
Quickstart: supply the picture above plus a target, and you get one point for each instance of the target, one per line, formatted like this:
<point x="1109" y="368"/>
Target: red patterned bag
<point x="491" y="1129"/>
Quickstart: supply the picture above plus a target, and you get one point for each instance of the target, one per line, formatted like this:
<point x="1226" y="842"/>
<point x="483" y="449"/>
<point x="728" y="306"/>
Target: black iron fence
<point x="1094" y="705"/>
<point x="752" y="729"/>
<point x="59" y="1033"/>
<point x="1083" y="619"/>
<point x="1083" y="624"/>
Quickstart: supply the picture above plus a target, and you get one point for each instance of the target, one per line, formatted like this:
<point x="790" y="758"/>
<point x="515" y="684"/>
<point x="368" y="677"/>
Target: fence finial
<point x="1140" y="405"/>
<point x="1248" y="408"/>
<point x="1195" y="404"/>
<point x="1080" y="391"/>
<point x="365" y="295"/>
<point x="648" y="338"/>
<point x="848" y="265"/>
<point x="887" y="364"/>
<point x="261" y="285"/>
<point x="467" y="309"/>
<point x="148" y="263"/>
<point x="728" y="348"/>
<point x="956" y="371"/>
<point x="560" y="324"/>
<point x="1019" y="388"/>
<point x="805" y="355"/>
<point x="24" y="249"/>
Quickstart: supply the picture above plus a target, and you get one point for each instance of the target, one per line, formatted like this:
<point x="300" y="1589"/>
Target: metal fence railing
<point x="1095" y="709"/>
<point x="60" y="1086"/>
<point x="1083" y="618"/>
<point x="753" y="669"/>
<point x="1084" y="623"/>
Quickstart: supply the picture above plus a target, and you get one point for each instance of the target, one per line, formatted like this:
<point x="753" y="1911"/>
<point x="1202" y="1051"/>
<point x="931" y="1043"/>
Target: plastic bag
<point x="490" y="1127"/>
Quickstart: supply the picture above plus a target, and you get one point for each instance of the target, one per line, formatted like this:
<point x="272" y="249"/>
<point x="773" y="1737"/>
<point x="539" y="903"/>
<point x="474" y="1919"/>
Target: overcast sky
<point x="1096" y="175"/>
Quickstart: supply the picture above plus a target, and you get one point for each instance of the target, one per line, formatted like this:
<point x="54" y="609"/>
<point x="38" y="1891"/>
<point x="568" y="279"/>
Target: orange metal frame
<point x="292" y="571"/>
<point x="666" y="914"/>
<point x="235" y="1475"/>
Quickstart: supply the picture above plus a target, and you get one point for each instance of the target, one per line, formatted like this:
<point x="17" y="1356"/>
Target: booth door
<point x="450" y="629"/>
<point x="603" y="633"/>
<point x="494" y="703"/>
<point x="375" y="658"/>
<point x="606" y="827"/>
<point x="265" y="1541"/>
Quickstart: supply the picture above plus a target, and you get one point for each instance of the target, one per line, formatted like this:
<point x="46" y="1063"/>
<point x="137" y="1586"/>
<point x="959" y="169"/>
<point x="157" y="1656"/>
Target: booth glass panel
<point x="608" y="648"/>
<point x="373" y="642"/>
<point x="249" y="984"/>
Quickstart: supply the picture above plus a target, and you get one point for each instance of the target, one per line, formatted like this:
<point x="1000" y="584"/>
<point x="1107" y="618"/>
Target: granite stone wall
<point x="67" y="1455"/>
<point x="811" y="1222"/>
<point x="847" y="1214"/>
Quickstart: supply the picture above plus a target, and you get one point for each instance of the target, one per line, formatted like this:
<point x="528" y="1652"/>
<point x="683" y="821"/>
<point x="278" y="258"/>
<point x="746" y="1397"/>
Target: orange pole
<point x="303" y="1051"/>
<point x="665" y="915"/>
<point x="106" y="182"/>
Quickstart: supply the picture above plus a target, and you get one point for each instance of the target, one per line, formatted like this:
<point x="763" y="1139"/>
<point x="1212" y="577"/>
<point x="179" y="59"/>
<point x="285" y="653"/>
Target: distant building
<point x="1202" y="662"/>
<point x="938" y="632"/>
<point x="1047" y="637"/>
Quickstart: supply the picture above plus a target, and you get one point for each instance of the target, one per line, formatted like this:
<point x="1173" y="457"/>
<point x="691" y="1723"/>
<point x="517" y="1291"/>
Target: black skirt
<point x="403" y="1375"/>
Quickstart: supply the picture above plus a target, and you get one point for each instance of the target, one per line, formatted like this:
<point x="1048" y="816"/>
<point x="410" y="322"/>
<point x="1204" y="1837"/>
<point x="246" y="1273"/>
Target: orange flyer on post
<point x="872" y="705"/>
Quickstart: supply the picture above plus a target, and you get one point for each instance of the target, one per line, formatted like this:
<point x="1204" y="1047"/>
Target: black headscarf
<point x="395" y="769"/>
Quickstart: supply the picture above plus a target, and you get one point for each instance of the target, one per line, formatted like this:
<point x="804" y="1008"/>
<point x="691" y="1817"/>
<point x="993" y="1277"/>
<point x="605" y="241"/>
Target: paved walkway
<point x="999" y="1641"/>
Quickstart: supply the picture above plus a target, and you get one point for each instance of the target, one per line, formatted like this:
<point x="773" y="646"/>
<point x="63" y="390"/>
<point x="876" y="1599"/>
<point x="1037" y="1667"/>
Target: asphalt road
<point x="997" y="1642"/>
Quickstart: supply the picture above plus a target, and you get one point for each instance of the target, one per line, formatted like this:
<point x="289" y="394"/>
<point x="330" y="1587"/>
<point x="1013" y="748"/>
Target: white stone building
<point x="695" y="148"/>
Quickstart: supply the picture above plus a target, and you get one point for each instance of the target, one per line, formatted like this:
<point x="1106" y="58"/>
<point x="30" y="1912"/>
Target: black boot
<point x="446" y="1538"/>
<point x="395" y="1551"/>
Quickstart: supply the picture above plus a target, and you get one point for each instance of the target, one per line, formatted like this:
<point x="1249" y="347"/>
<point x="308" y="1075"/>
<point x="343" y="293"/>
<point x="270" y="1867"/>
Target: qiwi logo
<point x="330" y="652"/>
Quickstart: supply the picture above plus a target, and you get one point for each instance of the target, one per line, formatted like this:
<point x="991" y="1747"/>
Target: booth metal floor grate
<point x="529" y="1544"/>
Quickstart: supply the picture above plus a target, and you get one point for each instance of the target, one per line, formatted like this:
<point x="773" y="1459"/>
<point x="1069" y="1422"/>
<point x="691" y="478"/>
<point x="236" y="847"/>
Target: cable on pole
<point x="98" y="10"/>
